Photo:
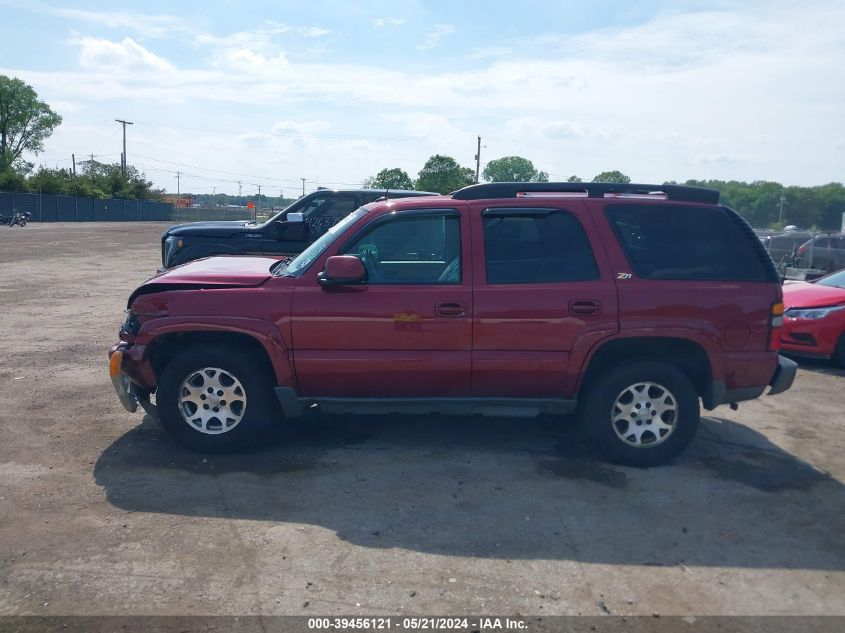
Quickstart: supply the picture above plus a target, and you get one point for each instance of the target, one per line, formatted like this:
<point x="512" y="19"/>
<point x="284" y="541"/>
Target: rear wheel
<point x="641" y="413"/>
<point x="216" y="400"/>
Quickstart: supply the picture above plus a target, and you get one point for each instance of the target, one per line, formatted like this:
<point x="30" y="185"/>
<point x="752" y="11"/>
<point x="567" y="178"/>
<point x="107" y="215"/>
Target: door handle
<point x="451" y="309"/>
<point x="584" y="308"/>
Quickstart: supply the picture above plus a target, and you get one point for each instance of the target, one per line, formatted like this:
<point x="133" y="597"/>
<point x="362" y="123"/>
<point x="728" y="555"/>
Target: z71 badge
<point x="623" y="275"/>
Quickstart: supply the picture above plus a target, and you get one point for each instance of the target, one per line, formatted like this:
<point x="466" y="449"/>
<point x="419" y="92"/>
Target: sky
<point x="268" y="93"/>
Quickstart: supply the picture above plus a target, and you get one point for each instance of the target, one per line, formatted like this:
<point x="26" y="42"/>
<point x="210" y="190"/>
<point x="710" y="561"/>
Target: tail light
<point x="802" y="250"/>
<point x="776" y="325"/>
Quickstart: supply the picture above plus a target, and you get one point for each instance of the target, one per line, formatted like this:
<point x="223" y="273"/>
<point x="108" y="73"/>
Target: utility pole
<point x="303" y="186"/>
<point x="478" y="160"/>
<point x="239" y="190"/>
<point x="178" y="183"/>
<point x="123" y="156"/>
<point x="73" y="158"/>
<point x="780" y="208"/>
<point x="255" y="213"/>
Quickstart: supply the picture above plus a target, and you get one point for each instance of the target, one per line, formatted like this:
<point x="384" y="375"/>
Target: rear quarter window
<point x="694" y="243"/>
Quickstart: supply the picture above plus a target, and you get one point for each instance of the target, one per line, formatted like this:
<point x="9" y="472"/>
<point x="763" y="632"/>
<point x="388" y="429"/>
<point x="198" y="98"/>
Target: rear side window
<point x="695" y="243"/>
<point x="524" y="246"/>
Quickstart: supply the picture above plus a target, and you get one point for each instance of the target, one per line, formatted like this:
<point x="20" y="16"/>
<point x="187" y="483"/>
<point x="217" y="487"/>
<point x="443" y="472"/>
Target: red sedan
<point x="814" y="320"/>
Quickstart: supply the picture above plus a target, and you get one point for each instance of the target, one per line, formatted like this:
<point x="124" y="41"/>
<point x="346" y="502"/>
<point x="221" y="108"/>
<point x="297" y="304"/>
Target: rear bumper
<point x="784" y="376"/>
<point x="780" y="381"/>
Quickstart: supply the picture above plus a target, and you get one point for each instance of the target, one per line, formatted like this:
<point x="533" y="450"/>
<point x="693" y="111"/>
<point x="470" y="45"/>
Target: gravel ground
<point x="100" y="513"/>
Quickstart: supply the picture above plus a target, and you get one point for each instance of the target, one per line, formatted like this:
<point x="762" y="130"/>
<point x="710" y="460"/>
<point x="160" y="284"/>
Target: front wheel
<point x="216" y="400"/>
<point x="641" y="413"/>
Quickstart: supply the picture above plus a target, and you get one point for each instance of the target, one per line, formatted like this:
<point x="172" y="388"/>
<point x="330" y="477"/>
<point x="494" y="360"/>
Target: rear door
<point x="694" y="272"/>
<point x="542" y="288"/>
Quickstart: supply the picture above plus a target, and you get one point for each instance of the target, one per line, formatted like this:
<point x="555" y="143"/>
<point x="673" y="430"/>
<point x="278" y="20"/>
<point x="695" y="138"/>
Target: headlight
<point x="131" y="325"/>
<point x="812" y="313"/>
<point x="171" y="245"/>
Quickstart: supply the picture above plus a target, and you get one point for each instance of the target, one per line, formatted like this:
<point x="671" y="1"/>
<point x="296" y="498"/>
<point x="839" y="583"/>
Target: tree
<point x="25" y="122"/>
<point x="50" y="181"/>
<point x="612" y="176"/>
<point x="573" y="178"/>
<point x="443" y="174"/>
<point x="513" y="169"/>
<point x="390" y="179"/>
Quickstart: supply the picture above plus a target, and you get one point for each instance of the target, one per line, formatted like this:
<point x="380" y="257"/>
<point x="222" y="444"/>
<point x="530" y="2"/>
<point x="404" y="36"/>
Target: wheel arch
<point x="685" y="354"/>
<point x="264" y="346"/>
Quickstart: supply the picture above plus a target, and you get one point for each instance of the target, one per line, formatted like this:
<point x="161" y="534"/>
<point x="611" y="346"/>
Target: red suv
<point x="625" y="304"/>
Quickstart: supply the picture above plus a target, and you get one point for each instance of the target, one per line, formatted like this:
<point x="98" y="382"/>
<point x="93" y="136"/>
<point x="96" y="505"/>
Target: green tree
<point x="390" y="179"/>
<point x="612" y="176"/>
<point x="50" y="181"/>
<point x="25" y="121"/>
<point x="573" y="178"/>
<point x="443" y="174"/>
<point x="513" y="169"/>
<point x="96" y="180"/>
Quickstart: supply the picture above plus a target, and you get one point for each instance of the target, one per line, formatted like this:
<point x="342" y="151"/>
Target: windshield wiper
<point x="276" y="268"/>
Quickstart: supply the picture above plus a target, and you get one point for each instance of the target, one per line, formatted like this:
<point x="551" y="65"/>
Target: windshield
<point x="304" y="259"/>
<point x="836" y="280"/>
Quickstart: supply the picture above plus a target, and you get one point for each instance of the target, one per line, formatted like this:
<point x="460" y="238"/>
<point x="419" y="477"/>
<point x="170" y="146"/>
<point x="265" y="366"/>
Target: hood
<point x="212" y="229"/>
<point x="222" y="270"/>
<point x="807" y="295"/>
<point x="212" y="272"/>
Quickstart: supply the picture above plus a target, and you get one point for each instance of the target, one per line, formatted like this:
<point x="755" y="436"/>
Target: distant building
<point x="180" y="201"/>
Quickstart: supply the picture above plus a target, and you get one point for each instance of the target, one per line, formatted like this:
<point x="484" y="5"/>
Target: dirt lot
<point x="101" y="514"/>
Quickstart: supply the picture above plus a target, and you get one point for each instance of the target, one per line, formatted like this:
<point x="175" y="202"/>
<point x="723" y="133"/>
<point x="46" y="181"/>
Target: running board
<point x="294" y="406"/>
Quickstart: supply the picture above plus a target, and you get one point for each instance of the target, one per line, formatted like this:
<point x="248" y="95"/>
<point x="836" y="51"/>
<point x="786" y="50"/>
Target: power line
<point x="219" y="171"/>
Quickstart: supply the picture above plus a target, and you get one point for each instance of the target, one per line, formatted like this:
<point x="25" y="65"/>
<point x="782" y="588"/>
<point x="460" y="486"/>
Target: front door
<point x="407" y="332"/>
<point x="541" y="288"/>
<point x="320" y="213"/>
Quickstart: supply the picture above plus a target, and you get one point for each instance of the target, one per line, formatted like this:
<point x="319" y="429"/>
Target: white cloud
<point x="389" y="21"/>
<point x="126" y="55"/>
<point x="312" y="31"/>
<point x="145" y="24"/>
<point x="712" y="94"/>
<point x="434" y="34"/>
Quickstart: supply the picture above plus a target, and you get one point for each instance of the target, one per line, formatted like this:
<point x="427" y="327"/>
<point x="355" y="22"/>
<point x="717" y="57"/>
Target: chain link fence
<point x="804" y="254"/>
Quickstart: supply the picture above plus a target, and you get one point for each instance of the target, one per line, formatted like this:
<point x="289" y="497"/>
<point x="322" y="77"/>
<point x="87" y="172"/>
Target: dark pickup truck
<point x="286" y="233"/>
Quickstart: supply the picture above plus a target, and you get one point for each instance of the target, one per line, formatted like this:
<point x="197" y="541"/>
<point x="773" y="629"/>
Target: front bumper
<point x="129" y="392"/>
<point x="121" y="383"/>
<point x="815" y="338"/>
<point x="783" y="377"/>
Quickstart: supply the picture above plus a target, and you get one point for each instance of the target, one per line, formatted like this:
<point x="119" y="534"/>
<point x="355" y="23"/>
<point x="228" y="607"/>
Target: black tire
<point x="259" y="411"/>
<point x="656" y="447"/>
<point x="839" y="354"/>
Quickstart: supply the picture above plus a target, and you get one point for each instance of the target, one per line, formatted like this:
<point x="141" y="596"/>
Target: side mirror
<point x="293" y="228"/>
<point x="343" y="270"/>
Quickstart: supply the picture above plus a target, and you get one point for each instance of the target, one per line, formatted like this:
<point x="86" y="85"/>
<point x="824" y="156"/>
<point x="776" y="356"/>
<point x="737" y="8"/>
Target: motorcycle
<point x="20" y="219"/>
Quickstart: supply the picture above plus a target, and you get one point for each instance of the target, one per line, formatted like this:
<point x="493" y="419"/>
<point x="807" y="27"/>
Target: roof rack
<point x="587" y="189"/>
